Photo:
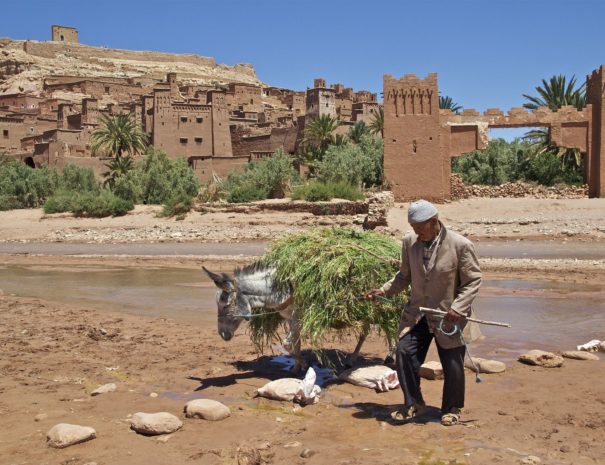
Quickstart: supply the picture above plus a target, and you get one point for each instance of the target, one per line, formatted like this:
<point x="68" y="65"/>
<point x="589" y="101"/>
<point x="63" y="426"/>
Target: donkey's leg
<point x="362" y="338"/>
<point x="390" y="358"/>
<point x="294" y="348"/>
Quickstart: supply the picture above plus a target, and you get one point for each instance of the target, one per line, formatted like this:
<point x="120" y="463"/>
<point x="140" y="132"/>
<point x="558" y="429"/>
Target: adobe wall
<point x="204" y="167"/>
<point x="413" y="162"/>
<point x="595" y="96"/>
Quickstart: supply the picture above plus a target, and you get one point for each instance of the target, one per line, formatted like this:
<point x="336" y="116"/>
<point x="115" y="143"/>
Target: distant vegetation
<point x="515" y="161"/>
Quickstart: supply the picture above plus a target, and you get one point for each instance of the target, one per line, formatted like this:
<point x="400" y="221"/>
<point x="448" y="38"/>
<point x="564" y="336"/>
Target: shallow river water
<point x="543" y="314"/>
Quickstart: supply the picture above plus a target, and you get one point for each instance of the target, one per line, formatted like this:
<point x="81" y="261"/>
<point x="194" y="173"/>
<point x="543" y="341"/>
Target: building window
<point x="183" y="119"/>
<point x="183" y="140"/>
<point x="107" y="89"/>
<point x="199" y="119"/>
<point x="199" y="140"/>
<point x="5" y="133"/>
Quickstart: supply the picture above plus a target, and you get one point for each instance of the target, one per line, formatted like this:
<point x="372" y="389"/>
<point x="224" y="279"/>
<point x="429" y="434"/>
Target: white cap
<point x="420" y="211"/>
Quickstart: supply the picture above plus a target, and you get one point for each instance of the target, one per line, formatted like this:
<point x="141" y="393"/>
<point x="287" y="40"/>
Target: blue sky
<point x="487" y="53"/>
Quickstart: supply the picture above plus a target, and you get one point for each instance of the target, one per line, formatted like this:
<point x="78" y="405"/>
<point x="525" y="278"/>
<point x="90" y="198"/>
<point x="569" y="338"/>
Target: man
<point x="443" y="271"/>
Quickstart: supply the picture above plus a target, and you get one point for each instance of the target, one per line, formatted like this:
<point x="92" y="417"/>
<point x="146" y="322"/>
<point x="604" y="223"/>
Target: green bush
<point x="178" y="205"/>
<point x="60" y="202"/>
<point x="79" y="179"/>
<point x="246" y="193"/>
<point x="357" y="164"/>
<point x="8" y="202"/>
<point x="319" y="191"/>
<point x="28" y="186"/>
<point x="515" y="161"/>
<point x="100" y="205"/>
<point x="270" y="178"/>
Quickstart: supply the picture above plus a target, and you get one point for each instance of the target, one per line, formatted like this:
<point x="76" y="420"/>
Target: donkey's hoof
<point x="388" y="360"/>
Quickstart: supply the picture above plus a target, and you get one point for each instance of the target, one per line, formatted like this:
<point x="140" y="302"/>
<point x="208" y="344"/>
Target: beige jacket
<point x="451" y="280"/>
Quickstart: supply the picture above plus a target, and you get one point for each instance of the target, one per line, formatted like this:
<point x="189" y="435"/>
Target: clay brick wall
<point x="64" y="34"/>
<point x="204" y="167"/>
<point x="21" y="103"/>
<point x="413" y="163"/>
<point x="595" y="163"/>
<point x="12" y="130"/>
<point x="221" y="142"/>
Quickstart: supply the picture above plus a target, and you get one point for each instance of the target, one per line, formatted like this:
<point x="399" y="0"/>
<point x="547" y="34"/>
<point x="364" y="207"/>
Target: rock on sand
<point x="65" y="435"/>
<point x="542" y="359"/>
<point x="579" y="355"/>
<point x="431" y="370"/>
<point x="110" y="387"/>
<point x="155" y="423"/>
<point x="485" y="366"/>
<point x="206" y="409"/>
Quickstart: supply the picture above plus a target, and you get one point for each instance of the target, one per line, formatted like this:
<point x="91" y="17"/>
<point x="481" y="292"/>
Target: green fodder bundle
<point x="328" y="270"/>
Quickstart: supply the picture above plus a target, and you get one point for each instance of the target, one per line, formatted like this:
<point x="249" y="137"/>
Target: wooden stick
<point x="441" y="314"/>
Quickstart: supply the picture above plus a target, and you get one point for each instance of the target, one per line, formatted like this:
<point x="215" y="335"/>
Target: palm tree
<point x="446" y="103"/>
<point x="377" y="123"/>
<point x="554" y="94"/>
<point x="118" y="135"/>
<point x="319" y="133"/>
<point x="557" y="93"/>
<point x="117" y="167"/>
<point x="358" y="131"/>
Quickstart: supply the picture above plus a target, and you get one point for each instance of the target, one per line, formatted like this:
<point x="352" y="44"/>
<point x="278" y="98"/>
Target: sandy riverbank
<point x="52" y="356"/>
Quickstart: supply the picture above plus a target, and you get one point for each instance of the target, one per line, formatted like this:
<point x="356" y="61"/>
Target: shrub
<point x="357" y="164"/>
<point x="99" y="206"/>
<point x="80" y="179"/>
<point x="59" y="202"/>
<point x="8" y="202"/>
<point x="29" y="186"/>
<point x="270" y="178"/>
<point x="246" y="193"/>
<point x="178" y="205"/>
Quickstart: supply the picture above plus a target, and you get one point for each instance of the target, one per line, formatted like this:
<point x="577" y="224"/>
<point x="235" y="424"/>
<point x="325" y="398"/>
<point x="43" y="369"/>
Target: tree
<point x="446" y="103"/>
<point x="357" y="131"/>
<point x="319" y="134"/>
<point x="554" y="94"/>
<point x="118" y="135"/>
<point x="377" y="123"/>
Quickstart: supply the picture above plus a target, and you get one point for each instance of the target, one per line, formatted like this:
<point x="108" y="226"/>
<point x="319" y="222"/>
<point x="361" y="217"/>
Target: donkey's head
<point x="232" y="307"/>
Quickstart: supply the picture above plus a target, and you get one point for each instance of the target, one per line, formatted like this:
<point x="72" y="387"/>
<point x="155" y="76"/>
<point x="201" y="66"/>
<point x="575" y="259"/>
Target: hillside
<point x="24" y="64"/>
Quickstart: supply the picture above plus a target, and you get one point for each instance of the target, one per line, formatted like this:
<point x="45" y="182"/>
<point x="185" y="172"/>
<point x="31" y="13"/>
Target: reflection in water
<point x="542" y="314"/>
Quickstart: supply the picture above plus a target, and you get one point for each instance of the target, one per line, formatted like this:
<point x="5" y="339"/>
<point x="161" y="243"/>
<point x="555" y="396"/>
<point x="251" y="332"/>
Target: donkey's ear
<point x="222" y="281"/>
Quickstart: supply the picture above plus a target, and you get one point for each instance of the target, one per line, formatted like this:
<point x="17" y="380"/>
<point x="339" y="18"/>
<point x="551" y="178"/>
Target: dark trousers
<point x="411" y="353"/>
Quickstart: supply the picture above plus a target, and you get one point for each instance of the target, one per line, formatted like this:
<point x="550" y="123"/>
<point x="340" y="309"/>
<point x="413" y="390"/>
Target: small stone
<point x="40" y="417"/>
<point x="485" y="366"/>
<point x="565" y="449"/>
<point x="531" y="460"/>
<point x="542" y="358"/>
<point x="602" y="347"/>
<point x="153" y="394"/>
<point x="110" y="387"/>
<point x="246" y="455"/>
<point x="65" y="435"/>
<point x="431" y="370"/>
<point x="291" y="445"/>
<point x="580" y="355"/>
<point x="306" y="453"/>
<point x="206" y="409"/>
<point x="155" y="423"/>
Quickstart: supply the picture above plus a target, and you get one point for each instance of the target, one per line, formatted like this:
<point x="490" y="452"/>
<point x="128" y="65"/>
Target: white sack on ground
<point x="291" y="389"/>
<point x="590" y="346"/>
<point x="378" y="377"/>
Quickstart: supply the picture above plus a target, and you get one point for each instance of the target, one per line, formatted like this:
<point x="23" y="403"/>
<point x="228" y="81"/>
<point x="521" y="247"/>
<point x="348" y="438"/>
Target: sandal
<point x="407" y="413"/>
<point x="450" y="419"/>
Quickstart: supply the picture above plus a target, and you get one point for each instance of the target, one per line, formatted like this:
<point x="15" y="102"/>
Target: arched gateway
<point x="420" y="139"/>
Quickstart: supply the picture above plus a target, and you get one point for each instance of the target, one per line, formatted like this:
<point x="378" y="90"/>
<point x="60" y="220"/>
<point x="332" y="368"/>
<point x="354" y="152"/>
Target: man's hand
<point x="373" y="294"/>
<point x="453" y="316"/>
